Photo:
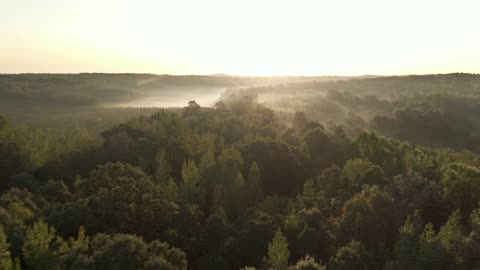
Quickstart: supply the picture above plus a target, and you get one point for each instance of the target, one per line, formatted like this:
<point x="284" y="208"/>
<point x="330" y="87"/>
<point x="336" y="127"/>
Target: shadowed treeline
<point x="435" y="110"/>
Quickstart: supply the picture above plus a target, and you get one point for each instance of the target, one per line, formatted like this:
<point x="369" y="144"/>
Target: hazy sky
<point x="248" y="37"/>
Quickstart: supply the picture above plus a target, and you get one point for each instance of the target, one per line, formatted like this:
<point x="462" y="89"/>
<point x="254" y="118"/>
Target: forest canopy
<point x="279" y="173"/>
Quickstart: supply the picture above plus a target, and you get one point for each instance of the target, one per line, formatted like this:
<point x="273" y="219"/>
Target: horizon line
<point x="234" y="75"/>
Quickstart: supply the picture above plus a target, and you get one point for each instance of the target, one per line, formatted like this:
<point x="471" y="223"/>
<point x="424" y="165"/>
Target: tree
<point x="278" y="252"/>
<point x="432" y="254"/>
<point x="212" y="246"/>
<point x="162" y="168"/>
<point x="299" y="120"/>
<point x="373" y="176"/>
<point x="236" y="198"/>
<point x="6" y="262"/>
<point x="332" y="181"/>
<point x="321" y="150"/>
<point x="290" y="137"/>
<point x="17" y="210"/>
<point x="308" y="198"/>
<point x="406" y="249"/>
<point x="348" y="147"/>
<point x="55" y="192"/>
<point x="192" y="108"/>
<point x="352" y="256"/>
<point x="461" y="187"/>
<point x="473" y="241"/>
<point x="370" y="216"/>
<point x="308" y="263"/>
<point x="119" y="197"/>
<point x="454" y="241"/>
<point x="130" y="252"/>
<point x="360" y="172"/>
<point x="254" y="185"/>
<point x="354" y="168"/>
<point x="282" y="168"/>
<point x="259" y="228"/>
<point x="172" y="189"/>
<point x="230" y="162"/>
<point x="419" y="161"/>
<point x="38" y="247"/>
<point x="162" y="256"/>
<point x="386" y="153"/>
<point x="74" y="253"/>
<point x="413" y="192"/>
<point x="191" y="187"/>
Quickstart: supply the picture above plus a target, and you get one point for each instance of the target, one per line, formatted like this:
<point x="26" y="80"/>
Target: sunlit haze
<point x="240" y="37"/>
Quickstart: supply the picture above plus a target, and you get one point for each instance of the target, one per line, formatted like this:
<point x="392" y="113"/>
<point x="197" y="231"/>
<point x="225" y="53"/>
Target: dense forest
<point x="279" y="173"/>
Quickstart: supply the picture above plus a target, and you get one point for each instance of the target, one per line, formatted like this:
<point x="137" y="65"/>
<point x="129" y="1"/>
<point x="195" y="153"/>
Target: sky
<point x="244" y="37"/>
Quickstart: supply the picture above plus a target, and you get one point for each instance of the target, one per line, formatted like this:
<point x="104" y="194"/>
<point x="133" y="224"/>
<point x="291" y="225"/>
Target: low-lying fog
<point x="179" y="97"/>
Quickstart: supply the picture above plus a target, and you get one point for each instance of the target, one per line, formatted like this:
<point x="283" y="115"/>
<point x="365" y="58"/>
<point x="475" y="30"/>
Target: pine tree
<point x="278" y="252"/>
<point x="191" y="189"/>
<point x="407" y="245"/>
<point x="309" y="195"/>
<point x="163" y="168"/>
<point x="172" y="189"/>
<point x="230" y="162"/>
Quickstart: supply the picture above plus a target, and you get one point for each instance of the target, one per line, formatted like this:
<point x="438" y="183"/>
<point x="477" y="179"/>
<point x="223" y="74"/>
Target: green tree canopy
<point x="6" y="261"/>
<point x="278" y="252"/>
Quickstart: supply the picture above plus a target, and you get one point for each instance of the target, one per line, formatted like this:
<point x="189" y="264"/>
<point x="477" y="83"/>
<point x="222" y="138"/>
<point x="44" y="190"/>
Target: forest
<point x="281" y="173"/>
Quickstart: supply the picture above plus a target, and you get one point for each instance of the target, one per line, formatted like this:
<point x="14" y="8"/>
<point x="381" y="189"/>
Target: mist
<point x="173" y="97"/>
